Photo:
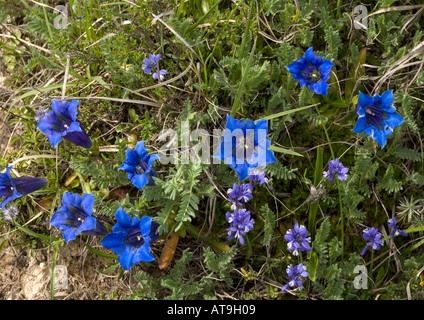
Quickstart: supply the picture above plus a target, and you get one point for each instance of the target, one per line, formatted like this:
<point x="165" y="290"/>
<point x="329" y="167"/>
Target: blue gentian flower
<point x="74" y="217"/>
<point x="312" y="71"/>
<point x="240" y="224"/>
<point x="296" y="275"/>
<point x="335" y="167"/>
<point x="258" y="176"/>
<point x="376" y="116"/>
<point x="297" y="239"/>
<point x="139" y="166"/>
<point x="10" y="213"/>
<point x="12" y="188"/>
<point x="130" y="239"/>
<point x="373" y="237"/>
<point x="244" y="146"/>
<point x="152" y="60"/>
<point x="61" y="122"/>
<point x="395" y="231"/>
<point x="239" y="194"/>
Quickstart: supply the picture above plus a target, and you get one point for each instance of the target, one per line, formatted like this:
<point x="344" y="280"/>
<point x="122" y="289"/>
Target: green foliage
<point x="269" y="224"/>
<point x="182" y="284"/>
<point x="235" y="53"/>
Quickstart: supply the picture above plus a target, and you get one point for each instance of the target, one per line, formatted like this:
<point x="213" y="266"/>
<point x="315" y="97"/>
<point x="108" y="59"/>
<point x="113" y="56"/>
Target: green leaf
<point x="317" y="178"/>
<point x="283" y="150"/>
<point x="313" y="266"/>
<point x="101" y="254"/>
<point x="280" y="114"/>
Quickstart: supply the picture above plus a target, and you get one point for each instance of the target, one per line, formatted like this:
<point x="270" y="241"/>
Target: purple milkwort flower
<point x="239" y="194"/>
<point x="40" y="113"/>
<point x="162" y="74"/>
<point x="336" y="167"/>
<point x="61" y="122"/>
<point x="298" y="239"/>
<point x="12" y="188"/>
<point x="244" y="146"/>
<point x="396" y="231"/>
<point x="152" y="60"/>
<point x="312" y="71"/>
<point x="241" y="224"/>
<point x="75" y="217"/>
<point x="258" y="176"/>
<point x="10" y="213"/>
<point x="373" y="237"/>
<point x="376" y="116"/>
<point x="130" y="239"/>
<point x="296" y="275"/>
<point x="139" y="166"/>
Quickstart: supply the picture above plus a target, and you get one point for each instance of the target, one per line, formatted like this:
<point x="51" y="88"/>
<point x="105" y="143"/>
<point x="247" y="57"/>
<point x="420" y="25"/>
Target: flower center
<point x="374" y="115"/>
<point x="135" y="238"/>
<point x="311" y="74"/>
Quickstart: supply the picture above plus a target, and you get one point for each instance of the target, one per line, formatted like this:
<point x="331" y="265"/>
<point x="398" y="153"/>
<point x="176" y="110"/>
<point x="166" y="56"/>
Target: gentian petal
<point x="364" y="99"/>
<point x="114" y="241"/>
<point x="143" y="254"/>
<point x="80" y="138"/>
<point x="296" y="67"/>
<point x="326" y="67"/>
<point x="87" y="203"/>
<point x="27" y="185"/>
<point x="139" y="181"/>
<point x="124" y="219"/>
<point x="360" y="125"/>
<point x="394" y="120"/>
<point x="126" y="257"/>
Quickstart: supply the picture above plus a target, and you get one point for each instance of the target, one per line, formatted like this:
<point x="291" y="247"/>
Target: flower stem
<point x="338" y="185"/>
<point x="195" y="233"/>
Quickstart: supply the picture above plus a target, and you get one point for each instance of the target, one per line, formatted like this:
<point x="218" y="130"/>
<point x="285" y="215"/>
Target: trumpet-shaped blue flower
<point x="12" y="188"/>
<point x="296" y="275"/>
<point x="130" y="239"/>
<point x="335" y="167"/>
<point x="241" y="223"/>
<point x="139" y="166"/>
<point x="377" y="117"/>
<point x="74" y="217"/>
<point x="244" y="146"/>
<point x="61" y="123"/>
<point x="312" y="71"/>
<point x="297" y="239"/>
<point x="239" y="194"/>
<point x="374" y="239"/>
<point x="395" y="231"/>
<point x="150" y="62"/>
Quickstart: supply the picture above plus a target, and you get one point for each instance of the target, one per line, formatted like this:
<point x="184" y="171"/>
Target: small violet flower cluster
<point x="395" y="231"/>
<point x="240" y="219"/>
<point x="297" y="240"/>
<point x="151" y="63"/>
<point x="335" y="167"/>
<point x="374" y="237"/>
